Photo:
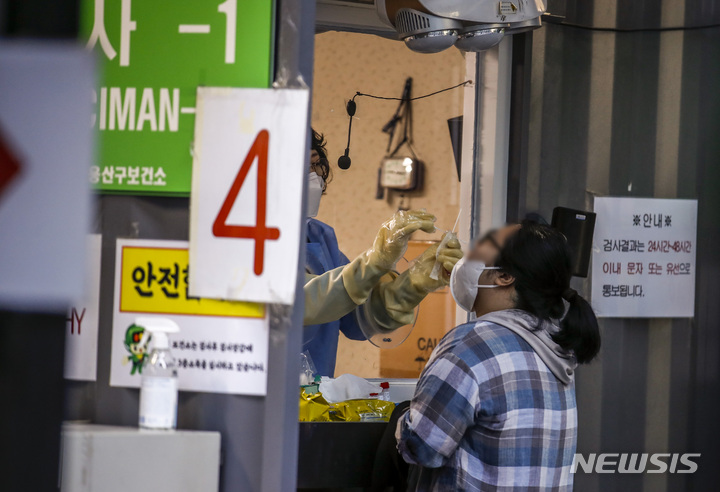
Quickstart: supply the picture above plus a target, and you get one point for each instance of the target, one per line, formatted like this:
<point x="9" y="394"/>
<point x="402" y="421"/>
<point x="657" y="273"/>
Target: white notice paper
<point x="644" y="258"/>
<point x="222" y="346"/>
<point x="248" y="172"/>
<point x="82" y="322"/>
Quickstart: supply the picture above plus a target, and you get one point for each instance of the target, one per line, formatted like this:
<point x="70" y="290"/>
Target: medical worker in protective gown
<point x="335" y="288"/>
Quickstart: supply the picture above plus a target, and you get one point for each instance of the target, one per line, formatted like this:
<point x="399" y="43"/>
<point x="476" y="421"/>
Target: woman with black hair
<point x="495" y="407"/>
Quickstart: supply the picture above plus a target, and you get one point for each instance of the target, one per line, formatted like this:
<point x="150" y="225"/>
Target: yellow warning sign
<point x="155" y="280"/>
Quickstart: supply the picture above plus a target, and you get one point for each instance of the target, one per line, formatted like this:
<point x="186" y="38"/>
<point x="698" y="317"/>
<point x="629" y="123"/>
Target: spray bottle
<point x="159" y="387"/>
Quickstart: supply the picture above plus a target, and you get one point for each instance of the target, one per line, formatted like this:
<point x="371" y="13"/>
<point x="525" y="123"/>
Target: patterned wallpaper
<point x="346" y="63"/>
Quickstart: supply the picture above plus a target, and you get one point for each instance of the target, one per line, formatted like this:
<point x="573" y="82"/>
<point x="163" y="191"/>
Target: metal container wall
<point x="633" y="109"/>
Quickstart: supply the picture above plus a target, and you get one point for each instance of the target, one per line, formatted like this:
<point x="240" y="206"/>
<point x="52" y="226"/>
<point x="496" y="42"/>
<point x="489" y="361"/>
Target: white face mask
<point x="315" y="191"/>
<point x="464" y="282"/>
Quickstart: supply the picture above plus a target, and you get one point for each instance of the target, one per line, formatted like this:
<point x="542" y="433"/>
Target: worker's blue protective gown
<point x="321" y="341"/>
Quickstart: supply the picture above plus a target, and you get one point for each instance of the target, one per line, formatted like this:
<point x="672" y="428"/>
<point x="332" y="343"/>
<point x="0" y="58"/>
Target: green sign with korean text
<point x="153" y="54"/>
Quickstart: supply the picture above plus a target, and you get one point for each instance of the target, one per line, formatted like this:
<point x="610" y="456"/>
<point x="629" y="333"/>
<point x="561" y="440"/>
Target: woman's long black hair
<point x="538" y="256"/>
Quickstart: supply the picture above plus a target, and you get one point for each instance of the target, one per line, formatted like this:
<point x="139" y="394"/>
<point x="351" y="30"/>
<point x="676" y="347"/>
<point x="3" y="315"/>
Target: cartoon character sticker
<point x="135" y="343"/>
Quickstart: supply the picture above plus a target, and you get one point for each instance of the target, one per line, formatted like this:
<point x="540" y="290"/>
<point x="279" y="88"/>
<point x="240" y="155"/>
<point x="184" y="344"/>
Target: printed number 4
<point x="260" y="232"/>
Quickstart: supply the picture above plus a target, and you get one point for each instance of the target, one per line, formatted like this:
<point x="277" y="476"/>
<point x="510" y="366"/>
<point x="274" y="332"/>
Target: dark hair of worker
<point x="539" y="259"/>
<point x="322" y="167"/>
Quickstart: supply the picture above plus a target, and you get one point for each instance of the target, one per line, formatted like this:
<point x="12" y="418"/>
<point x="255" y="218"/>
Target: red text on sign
<point x="259" y="232"/>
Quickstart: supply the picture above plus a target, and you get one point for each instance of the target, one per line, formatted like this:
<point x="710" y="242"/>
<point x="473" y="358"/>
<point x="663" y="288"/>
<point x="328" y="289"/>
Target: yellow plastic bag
<point x="313" y="408"/>
<point x="370" y="410"/>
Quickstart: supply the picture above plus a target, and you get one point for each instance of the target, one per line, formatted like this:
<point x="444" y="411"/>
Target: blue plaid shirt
<point x="489" y="415"/>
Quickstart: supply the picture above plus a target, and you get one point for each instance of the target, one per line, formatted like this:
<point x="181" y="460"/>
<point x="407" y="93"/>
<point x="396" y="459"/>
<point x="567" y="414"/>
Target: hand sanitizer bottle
<point x="159" y="386"/>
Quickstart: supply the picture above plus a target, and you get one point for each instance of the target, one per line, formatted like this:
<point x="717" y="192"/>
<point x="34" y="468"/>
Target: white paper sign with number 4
<point x="248" y="171"/>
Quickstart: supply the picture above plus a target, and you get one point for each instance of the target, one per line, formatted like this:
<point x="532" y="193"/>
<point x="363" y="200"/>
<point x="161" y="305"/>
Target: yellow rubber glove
<point x="362" y="274"/>
<point x="392" y="239"/>
<point x="400" y="296"/>
<point x="448" y="256"/>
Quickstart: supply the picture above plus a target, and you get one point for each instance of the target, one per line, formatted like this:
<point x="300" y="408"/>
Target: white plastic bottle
<point x="385" y="393"/>
<point x="159" y="386"/>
